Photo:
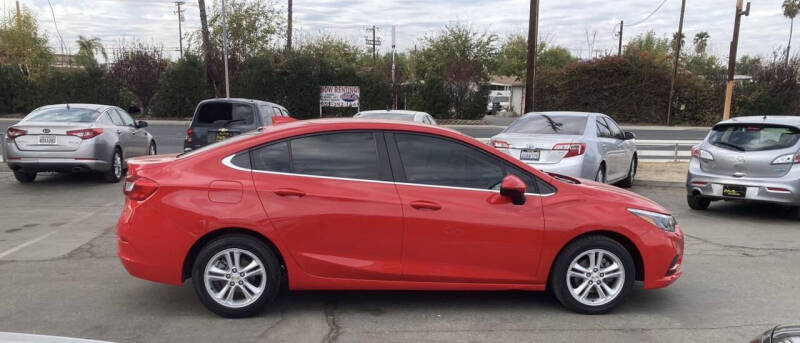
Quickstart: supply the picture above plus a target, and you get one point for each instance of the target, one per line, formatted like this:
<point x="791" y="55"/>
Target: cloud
<point x="562" y="22"/>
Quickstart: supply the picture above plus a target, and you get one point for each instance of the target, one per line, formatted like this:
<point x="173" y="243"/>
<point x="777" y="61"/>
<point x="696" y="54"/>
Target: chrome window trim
<point x="227" y="162"/>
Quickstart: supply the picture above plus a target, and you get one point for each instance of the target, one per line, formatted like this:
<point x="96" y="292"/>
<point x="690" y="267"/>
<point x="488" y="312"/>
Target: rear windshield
<point x="501" y="99"/>
<point x="753" y="137"/>
<point x="233" y="139"/>
<point x="549" y="124"/>
<point x="225" y="114"/>
<point x="72" y="115"/>
<point x="387" y="115"/>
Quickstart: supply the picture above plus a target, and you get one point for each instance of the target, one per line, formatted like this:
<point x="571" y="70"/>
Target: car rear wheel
<point x="628" y="181"/>
<point x="114" y="174"/>
<point x="25" y="177"/>
<point x="592" y="275"/>
<point x="235" y="276"/>
<point x="697" y="202"/>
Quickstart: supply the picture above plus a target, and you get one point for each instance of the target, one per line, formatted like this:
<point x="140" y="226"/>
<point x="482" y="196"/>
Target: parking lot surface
<point x="60" y="276"/>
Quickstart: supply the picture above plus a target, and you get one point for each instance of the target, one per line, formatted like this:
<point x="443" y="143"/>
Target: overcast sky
<point x="562" y="22"/>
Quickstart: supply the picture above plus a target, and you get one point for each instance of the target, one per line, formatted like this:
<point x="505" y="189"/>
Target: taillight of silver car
<point x="12" y="133"/>
<point x="701" y="154"/>
<point x="788" y="159"/>
<point x="139" y="188"/>
<point x="85" y="133"/>
<point x="573" y="149"/>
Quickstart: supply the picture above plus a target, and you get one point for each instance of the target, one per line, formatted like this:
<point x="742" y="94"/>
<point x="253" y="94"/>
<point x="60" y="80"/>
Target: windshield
<point x="234" y="139"/>
<point x="72" y="115"/>
<point x="387" y="115"/>
<point x="549" y="124"/>
<point x="754" y="137"/>
<point x="224" y="113"/>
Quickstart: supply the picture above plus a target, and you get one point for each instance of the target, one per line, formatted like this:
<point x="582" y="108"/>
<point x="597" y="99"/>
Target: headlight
<point x="664" y="222"/>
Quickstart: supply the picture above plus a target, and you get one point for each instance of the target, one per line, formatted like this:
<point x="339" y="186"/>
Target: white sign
<point x="339" y="96"/>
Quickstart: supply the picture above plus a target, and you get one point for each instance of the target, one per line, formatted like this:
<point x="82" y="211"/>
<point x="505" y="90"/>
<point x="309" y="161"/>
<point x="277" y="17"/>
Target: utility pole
<point x="180" y="25"/>
<point x="533" y="34"/>
<point x="373" y="44"/>
<point x="394" y="85"/>
<point x="677" y="58"/>
<point x="289" y="29"/>
<point x="225" y="47"/>
<point x="619" y="49"/>
<point x="726" y="114"/>
<point x="19" y="14"/>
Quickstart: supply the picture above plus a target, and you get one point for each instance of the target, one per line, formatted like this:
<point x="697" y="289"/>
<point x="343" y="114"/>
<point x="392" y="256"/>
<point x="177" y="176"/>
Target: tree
<point x="86" y="50"/>
<point x="790" y="9"/>
<point x="513" y="56"/>
<point x="181" y="87"/>
<point x="675" y="41"/>
<point x="138" y="69"/>
<point x="20" y="42"/>
<point x="648" y="45"/>
<point x="701" y="42"/>
<point x="556" y="57"/>
<point x="206" y="46"/>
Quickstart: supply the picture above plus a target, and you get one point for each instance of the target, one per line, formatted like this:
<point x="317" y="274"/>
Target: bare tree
<point x="138" y="68"/>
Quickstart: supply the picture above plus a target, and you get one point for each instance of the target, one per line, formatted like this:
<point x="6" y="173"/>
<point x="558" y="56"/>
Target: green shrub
<point x="183" y="85"/>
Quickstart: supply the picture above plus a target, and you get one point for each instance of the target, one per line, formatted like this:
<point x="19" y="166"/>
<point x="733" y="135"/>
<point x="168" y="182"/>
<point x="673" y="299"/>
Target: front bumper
<point x="664" y="258"/>
<point x="780" y="190"/>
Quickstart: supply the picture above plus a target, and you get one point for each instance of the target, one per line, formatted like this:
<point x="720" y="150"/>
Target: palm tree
<point x="87" y="48"/>
<point x="701" y="42"/>
<point x="790" y="9"/>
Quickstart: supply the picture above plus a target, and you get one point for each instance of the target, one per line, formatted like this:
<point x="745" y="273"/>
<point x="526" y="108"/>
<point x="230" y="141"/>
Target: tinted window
<point x="241" y="160"/>
<point x="115" y="118"/>
<point x="435" y="161"/>
<point x="348" y="154"/>
<point x="753" y="137"/>
<point x="284" y="113"/>
<point x="276" y="111"/>
<point x="615" y="130"/>
<point x="221" y="113"/>
<point x="602" y="129"/>
<point x="549" y="124"/>
<point x="126" y="119"/>
<point x="74" y="115"/>
<point x="273" y="157"/>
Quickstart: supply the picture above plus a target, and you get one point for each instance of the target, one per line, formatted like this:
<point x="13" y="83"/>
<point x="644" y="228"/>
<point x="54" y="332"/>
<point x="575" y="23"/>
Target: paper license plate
<point x="528" y="154"/>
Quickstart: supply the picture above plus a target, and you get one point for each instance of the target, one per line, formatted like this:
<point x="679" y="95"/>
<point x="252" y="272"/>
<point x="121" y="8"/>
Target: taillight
<point x="139" y="187"/>
<point x="701" y="154"/>
<point x="85" y="133"/>
<point x="573" y="149"/>
<point x="189" y="135"/>
<point x="12" y="133"/>
<point x="499" y="144"/>
<point x="788" y="159"/>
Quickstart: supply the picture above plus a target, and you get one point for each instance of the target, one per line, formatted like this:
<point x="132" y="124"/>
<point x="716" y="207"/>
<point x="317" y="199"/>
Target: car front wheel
<point x="592" y="275"/>
<point x="235" y="276"/>
<point x="25" y="177"/>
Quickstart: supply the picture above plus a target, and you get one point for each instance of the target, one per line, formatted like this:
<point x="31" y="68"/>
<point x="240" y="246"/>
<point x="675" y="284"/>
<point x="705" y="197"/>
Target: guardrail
<point x="679" y="150"/>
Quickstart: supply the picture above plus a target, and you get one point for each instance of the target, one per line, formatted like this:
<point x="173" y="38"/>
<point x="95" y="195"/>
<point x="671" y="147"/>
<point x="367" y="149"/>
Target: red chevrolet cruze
<point x="379" y="205"/>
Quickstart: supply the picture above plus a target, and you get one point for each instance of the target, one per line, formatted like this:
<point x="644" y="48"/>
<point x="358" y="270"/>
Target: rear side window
<point x="221" y="113"/>
<point x="549" y="124"/>
<point x="754" y="137"/>
<point x="435" y="161"/>
<point x="126" y="119"/>
<point x="115" y="118"/>
<point x="603" y="130"/>
<point x="273" y="157"/>
<point x="62" y="114"/>
<point x="351" y="155"/>
<point x="616" y="132"/>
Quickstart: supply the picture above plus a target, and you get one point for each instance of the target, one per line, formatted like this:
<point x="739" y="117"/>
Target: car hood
<point x="619" y="195"/>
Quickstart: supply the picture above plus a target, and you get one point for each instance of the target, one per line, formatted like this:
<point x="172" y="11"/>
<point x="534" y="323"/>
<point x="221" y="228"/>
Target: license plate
<point x="528" y="154"/>
<point x="50" y="139"/>
<point x="221" y="136"/>
<point x="734" y="191"/>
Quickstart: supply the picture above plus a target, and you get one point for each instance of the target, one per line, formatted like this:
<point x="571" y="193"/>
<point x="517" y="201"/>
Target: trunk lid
<point x="49" y="136"/>
<point x="543" y="143"/>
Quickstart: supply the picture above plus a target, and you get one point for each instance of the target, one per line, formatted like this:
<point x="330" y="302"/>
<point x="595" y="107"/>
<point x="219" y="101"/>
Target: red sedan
<point x="379" y="205"/>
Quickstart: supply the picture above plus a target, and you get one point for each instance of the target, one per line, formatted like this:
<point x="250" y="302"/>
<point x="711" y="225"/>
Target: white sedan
<point x="415" y="116"/>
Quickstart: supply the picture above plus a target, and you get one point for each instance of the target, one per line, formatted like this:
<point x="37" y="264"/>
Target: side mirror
<point x="134" y="110"/>
<point x="514" y="188"/>
<point x="629" y="135"/>
<point x="141" y="124"/>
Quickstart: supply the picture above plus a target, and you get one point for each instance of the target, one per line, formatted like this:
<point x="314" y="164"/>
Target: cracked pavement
<point x="740" y="278"/>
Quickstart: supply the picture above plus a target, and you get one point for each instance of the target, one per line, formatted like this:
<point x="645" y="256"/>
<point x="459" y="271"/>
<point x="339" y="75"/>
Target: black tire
<point x="113" y="175"/>
<point x="24" y="177"/>
<point x="601" y="176"/>
<point x="627" y="182"/>
<point x="152" y="149"/>
<point x="697" y="202"/>
<point x="248" y="244"/>
<point x="558" y="275"/>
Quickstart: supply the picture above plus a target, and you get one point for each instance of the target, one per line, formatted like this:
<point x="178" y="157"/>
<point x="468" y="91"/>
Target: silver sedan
<point x="747" y="158"/>
<point x="75" y="138"/>
<point x="577" y="144"/>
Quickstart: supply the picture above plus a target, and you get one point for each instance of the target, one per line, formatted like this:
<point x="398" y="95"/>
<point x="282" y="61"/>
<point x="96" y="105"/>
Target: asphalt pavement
<point x="61" y="276"/>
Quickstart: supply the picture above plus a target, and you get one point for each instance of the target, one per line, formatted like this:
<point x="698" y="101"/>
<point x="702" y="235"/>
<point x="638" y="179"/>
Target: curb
<point x="655" y="183"/>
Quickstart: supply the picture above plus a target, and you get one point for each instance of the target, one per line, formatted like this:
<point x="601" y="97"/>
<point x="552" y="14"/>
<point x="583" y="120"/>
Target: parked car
<point x="780" y="334"/>
<point x="415" y="116"/>
<point x="584" y="145"/>
<point x="747" y="158"/>
<point x="75" y="138"/>
<point x="377" y="205"/>
<point x="219" y="119"/>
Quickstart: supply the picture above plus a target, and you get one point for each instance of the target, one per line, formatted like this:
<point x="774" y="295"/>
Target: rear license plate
<point x="530" y="155"/>
<point x="50" y="139"/>
<point x="223" y="135"/>
<point x="734" y="191"/>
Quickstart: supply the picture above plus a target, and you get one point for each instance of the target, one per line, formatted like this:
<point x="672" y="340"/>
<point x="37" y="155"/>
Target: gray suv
<point x="747" y="158"/>
<point x="218" y="119"/>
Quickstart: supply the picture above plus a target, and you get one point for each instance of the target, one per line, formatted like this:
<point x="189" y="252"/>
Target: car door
<point x="139" y="137"/>
<point x="625" y="147"/>
<point x="331" y="199"/>
<point x="124" y="134"/>
<point x="609" y="149"/>
<point x="457" y="226"/>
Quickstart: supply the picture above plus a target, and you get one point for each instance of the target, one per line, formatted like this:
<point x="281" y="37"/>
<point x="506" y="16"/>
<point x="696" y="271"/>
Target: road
<point x="61" y="277"/>
<point x="169" y="136"/>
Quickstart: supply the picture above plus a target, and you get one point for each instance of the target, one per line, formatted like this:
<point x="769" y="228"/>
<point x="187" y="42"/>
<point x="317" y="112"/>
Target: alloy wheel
<point x="235" y="278"/>
<point x="117" y="165"/>
<point x="595" y="277"/>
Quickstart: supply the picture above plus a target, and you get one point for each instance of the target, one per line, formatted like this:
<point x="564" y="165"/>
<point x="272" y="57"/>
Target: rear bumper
<point x="91" y="155"/>
<point x="57" y="165"/>
<point x="571" y="166"/>
<point x="784" y="190"/>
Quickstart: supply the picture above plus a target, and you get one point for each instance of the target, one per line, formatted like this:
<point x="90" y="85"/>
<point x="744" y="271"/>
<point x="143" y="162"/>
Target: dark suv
<point x="218" y="119"/>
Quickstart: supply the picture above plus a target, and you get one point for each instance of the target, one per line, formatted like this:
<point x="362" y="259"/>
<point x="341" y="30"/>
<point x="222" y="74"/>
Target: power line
<point x="649" y="15"/>
<point x="55" y="23"/>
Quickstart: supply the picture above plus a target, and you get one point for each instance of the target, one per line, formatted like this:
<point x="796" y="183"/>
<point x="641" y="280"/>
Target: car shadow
<point x="752" y="210"/>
